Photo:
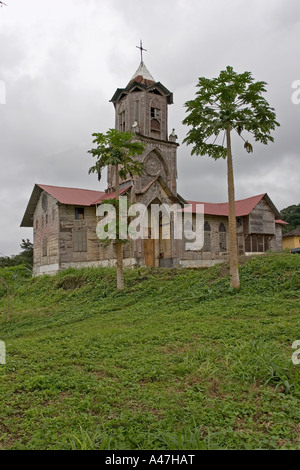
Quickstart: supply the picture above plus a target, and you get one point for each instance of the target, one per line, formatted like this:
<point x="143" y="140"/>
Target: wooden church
<point x="64" y="220"/>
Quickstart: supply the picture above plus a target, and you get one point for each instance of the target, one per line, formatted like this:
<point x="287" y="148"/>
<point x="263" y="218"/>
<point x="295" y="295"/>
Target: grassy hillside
<point x="177" y="361"/>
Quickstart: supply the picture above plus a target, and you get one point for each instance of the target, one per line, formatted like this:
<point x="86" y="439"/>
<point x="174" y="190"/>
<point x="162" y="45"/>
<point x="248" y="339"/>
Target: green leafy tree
<point x="118" y="149"/>
<point x="25" y="257"/>
<point x="229" y="102"/>
<point x="291" y="215"/>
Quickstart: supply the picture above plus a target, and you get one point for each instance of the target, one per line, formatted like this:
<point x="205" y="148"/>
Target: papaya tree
<point x="227" y="103"/>
<point x="118" y="149"/>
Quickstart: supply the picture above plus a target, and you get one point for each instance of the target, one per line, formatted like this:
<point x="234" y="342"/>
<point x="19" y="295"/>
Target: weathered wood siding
<point x="215" y="246"/>
<point x="46" y="236"/>
<point x="262" y="219"/>
<point x="77" y="238"/>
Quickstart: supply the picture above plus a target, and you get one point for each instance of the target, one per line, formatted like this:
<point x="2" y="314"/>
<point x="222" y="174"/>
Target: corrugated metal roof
<point x="68" y="196"/>
<point x="73" y="196"/>
<point x="106" y="196"/>
<point x="282" y="222"/>
<point x="87" y="197"/>
<point x="242" y="207"/>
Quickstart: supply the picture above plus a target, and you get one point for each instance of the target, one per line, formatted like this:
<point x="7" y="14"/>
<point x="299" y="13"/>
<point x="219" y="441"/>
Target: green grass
<point x="177" y="361"/>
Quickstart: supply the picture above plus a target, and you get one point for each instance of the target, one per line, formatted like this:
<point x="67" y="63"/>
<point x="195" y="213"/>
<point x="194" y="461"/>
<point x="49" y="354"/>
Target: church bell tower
<point x="142" y="108"/>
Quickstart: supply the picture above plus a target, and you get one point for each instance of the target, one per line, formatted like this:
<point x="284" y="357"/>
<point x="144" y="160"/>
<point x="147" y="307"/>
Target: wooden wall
<point x="46" y="235"/>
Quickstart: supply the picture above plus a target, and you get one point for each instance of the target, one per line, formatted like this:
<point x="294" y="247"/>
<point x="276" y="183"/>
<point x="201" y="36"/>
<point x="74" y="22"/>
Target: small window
<point x="155" y="113"/>
<point x="44" y="202"/>
<point x="137" y="111"/>
<point x="122" y="121"/>
<point x="222" y="237"/>
<point x="207" y="237"/>
<point x="45" y="246"/>
<point x="53" y="215"/>
<point x="36" y="224"/>
<point x="79" y="241"/>
<point x="79" y="213"/>
<point x="46" y="219"/>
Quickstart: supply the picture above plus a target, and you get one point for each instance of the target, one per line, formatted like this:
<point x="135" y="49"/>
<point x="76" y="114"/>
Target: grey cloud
<point x="61" y="72"/>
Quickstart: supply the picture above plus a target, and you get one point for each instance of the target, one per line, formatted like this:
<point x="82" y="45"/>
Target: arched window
<point x="207" y="227"/>
<point x="122" y="121"/>
<point x="207" y="237"/>
<point x="155" y="117"/>
<point x="222" y="237"/>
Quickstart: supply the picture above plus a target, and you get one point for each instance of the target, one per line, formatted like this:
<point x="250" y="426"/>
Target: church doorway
<point x="149" y="250"/>
<point x="158" y="243"/>
<point x="152" y="242"/>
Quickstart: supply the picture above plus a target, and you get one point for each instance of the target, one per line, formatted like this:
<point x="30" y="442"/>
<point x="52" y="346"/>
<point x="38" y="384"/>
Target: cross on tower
<point x="141" y="49"/>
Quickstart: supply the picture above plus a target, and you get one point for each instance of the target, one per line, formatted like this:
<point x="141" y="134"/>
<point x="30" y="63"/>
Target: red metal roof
<point x="281" y="222"/>
<point x="78" y="197"/>
<point x="73" y="196"/>
<point x="69" y="196"/>
<point x="105" y="196"/>
<point x="87" y="197"/>
<point x="242" y="207"/>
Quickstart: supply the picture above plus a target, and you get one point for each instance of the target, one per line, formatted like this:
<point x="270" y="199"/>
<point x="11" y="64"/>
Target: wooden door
<point x="149" y="252"/>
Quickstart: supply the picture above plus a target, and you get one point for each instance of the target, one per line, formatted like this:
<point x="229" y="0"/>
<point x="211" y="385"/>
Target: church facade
<point x="64" y="220"/>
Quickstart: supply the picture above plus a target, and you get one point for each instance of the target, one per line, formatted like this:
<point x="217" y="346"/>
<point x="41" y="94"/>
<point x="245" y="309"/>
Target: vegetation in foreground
<point x="176" y="361"/>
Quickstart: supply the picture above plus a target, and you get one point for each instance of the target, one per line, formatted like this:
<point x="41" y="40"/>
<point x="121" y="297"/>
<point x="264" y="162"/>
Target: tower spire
<point x="141" y="49"/>
<point x="142" y="71"/>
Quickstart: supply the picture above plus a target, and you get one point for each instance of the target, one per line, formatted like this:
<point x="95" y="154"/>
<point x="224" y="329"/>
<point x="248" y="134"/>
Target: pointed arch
<point x="155" y="115"/>
<point x="207" y="237"/>
<point x="207" y="227"/>
<point x="222" y="237"/>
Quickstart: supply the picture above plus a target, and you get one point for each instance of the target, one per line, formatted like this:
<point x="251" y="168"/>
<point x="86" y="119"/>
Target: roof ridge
<point x="68" y="187"/>
<point x="236" y="200"/>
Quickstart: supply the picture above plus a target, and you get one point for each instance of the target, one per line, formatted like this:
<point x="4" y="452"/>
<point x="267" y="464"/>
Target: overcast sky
<point x="62" y="60"/>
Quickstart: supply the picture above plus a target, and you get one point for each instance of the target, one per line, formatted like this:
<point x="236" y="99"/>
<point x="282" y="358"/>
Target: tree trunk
<point x="120" y="274"/>
<point x="119" y="245"/>
<point x="233" y="249"/>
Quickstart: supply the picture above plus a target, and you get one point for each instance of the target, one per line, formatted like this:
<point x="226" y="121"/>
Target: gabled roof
<point x="174" y="197"/>
<point x="68" y="196"/>
<point x="72" y="196"/>
<point x="87" y="198"/>
<point x="243" y="207"/>
<point x="107" y="196"/>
